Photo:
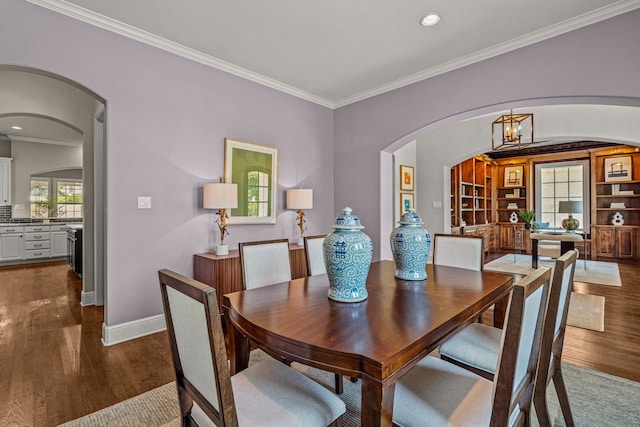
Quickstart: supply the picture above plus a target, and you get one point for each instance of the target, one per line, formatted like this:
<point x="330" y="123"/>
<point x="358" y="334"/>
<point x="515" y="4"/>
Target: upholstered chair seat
<point x="477" y="347"/>
<point x="268" y="393"/>
<point x="438" y="393"/>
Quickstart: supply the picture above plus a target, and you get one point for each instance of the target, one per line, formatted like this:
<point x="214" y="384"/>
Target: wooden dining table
<point x="376" y="340"/>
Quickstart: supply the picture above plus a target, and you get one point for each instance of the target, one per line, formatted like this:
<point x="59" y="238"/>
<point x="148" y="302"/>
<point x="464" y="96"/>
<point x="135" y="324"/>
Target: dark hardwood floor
<point x="54" y="368"/>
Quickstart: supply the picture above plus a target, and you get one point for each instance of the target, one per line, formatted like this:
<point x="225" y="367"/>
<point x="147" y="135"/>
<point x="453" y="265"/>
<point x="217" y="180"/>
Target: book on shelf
<point x="625" y="193"/>
<point x="615" y="189"/>
<point x="617" y="205"/>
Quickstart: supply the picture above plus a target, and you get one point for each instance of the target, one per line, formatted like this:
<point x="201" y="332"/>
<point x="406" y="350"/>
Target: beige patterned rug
<point x="597" y="399"/>
<point x="596" y="272"/>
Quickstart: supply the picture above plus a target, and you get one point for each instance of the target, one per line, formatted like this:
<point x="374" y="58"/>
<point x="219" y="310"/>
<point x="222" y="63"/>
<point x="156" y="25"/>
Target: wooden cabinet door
<point x="506" y="237"/>
<point x="625" y="243"/>
<point x="606" y="242"/>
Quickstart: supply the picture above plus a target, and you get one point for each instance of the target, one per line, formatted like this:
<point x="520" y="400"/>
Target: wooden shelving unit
<point x="613" y="239"/>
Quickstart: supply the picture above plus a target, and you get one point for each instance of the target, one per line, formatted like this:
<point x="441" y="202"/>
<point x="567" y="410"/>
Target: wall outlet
<point x="144" y="202"/>
<point x="436" y="205"/>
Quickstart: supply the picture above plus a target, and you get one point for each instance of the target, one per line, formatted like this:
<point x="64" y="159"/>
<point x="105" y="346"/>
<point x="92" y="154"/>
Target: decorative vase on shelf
<point x="513" y="218"/>
<point x="617" y="220"/>
<point x="347" y="257"/>
<point x="410" y="245"/>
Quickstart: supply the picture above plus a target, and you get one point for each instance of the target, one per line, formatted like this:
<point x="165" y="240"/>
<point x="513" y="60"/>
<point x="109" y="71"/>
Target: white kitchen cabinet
<point x="37" y="242"/>
<point x="59" y="245"/>
<point x="5" y="181"/>
<point x="11" y="243"/>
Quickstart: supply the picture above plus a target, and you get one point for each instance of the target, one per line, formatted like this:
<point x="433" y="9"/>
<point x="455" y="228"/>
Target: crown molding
<point x="19" y="138"/>
<point x="137" y="34"/>
<point x="575" y="23"/>
<point x="131" y="32"/>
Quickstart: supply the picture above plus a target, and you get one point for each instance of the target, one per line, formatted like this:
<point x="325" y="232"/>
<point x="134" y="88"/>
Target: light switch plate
<point x="436" y="205"/>
<point x="144" y="202"/>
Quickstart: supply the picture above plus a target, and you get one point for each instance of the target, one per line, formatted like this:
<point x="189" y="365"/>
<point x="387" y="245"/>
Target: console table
<point x="222" y="272"/>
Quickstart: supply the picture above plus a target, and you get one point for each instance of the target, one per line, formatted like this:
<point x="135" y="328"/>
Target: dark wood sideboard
<point x="222" y="272"/>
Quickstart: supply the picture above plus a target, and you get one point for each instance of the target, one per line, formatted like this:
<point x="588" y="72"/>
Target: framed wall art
<point x="406" y="202"/>
<point x="513" y="176"/>
<point x="254" y="168"/>
<point x="406" y="178"/>
<point x="617" y="169"/>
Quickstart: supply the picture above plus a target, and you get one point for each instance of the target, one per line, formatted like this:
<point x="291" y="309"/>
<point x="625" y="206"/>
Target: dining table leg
<point x="377" y="402"/>
<point x="238" y="348"/>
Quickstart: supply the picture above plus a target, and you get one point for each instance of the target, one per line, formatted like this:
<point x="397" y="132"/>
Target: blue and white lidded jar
<point x="347" y="256"/>
<point x="410" y="245"/>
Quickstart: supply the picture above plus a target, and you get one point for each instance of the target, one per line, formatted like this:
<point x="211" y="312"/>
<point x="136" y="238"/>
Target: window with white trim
<point x="561" y="181"/>
<point x="55" y="198"/>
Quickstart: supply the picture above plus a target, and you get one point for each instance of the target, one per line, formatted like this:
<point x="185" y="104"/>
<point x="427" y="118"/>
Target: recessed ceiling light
<point x="16" y="127"/>
<point x="430" y="19"/>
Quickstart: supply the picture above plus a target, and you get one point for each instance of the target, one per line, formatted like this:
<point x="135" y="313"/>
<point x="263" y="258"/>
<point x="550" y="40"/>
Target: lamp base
<point x="222" y="250"/>
<point x="570" y="224"/>
<point x="300" y="241"/>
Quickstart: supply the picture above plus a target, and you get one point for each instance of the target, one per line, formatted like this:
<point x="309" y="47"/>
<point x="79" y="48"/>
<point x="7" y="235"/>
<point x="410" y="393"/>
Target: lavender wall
<point x="166" y="121"/>
<point x="599" y="64"/>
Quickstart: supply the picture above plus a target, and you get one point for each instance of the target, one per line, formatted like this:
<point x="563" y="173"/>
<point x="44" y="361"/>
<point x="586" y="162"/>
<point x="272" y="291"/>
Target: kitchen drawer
<point x="12" y="229"/>
<point x="28" y="237"/>
<point x="59" y="227"/>
<point x="37" y="245"/>
<point x="36" y="228"/>
<point x="42" y="253"/>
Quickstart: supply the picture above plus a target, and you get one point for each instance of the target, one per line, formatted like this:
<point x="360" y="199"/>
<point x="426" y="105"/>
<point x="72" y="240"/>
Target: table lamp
<point x="220" y="196"/>
<point x="570" y="224"/>
<point x="300" y="199"/>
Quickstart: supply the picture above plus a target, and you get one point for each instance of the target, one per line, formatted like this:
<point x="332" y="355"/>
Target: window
<point x="55" y="198"/>
<point x="560" y="181"/>
<point x="258" y="202"/>
<point x="69" y="198"/>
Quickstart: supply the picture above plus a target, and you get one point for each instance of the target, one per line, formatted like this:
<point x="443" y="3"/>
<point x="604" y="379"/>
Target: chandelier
<point x="512" y="131"/>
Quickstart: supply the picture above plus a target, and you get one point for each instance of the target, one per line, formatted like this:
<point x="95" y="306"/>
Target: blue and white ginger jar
<point x="410" y="245"/>
<point x="347" y="256"/>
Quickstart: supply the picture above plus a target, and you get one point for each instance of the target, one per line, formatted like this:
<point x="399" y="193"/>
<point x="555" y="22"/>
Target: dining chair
<point x="264" y="263"/>
<point x="315" y="255"/>
<point x="267" y="393"/>
<point x="552" y="342"/>
<point x="438" y="393"/>
<point x="458" y="251"/>
<point x="476" y="347"/>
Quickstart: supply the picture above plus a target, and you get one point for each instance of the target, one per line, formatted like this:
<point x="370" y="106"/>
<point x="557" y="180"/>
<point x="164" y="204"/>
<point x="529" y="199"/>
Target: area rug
<point x="597" y="399"/>
<point x="596" y="272"/>
<point x="586" y="311"/>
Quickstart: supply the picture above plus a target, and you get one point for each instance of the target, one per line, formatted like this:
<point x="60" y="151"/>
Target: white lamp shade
<point x="300" y="198"/>
<point x="569" y="206"/>
<point x="220" y="195"/>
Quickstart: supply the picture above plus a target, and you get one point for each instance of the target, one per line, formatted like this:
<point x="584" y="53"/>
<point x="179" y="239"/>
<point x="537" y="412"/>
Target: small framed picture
<point x="406" y="202"/>
<point x="406" y="178"/>
<point x="513" y="176"/>
<point x="617" y="169"/>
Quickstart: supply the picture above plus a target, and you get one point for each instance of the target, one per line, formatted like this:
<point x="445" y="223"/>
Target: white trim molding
<point x="87" y="298"/>
<point x="134" y="33"/>
<point x="130" y="330"/>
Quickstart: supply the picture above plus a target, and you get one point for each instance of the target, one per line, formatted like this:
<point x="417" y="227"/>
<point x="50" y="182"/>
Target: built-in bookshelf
<point x="511" y="191"/>
<point x="616" y="210"/>
<point x="471" y="192"/>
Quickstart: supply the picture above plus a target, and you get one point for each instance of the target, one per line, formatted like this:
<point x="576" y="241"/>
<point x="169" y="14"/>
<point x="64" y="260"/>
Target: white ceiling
<point x="335" y="52"/>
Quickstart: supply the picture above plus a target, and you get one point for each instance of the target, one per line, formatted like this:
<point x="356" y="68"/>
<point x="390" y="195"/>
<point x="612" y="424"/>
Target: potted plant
<point x="527" y="216"/>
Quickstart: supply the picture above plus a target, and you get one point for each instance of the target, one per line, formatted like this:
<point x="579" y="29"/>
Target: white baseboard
<point x="135" y="329"/>
<point x="87" y="298"/>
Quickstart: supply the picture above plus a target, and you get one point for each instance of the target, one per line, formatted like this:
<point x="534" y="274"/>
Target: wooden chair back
<point x="264" y="263"/>
<point x="198" y="349"/>
<point x="517" y="365"/>
<point x="458" y="251"/>
<point x="315" y="255"/>
<point x="553" y="339"/>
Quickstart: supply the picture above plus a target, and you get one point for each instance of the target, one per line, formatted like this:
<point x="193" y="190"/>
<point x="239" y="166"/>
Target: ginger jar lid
<point x="410" y="217"/>
<point x="347" y="221"/>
